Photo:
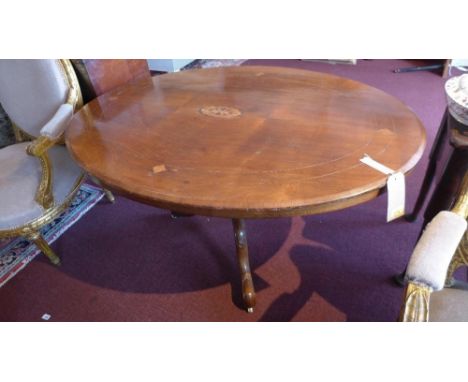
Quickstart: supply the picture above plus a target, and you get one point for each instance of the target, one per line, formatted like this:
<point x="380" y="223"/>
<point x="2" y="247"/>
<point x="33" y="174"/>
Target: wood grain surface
<point x="99" y="76"/>
<point x="245" y="142"/>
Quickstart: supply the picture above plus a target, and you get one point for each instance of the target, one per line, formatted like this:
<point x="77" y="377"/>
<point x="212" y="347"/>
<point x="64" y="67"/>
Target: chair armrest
<point x="432" y="255"/>
<point x="44" y="195"/>
<point x="58" y="123"/>
<point x="50" y="134"/>
<point x="52" y="131"/>
<point x="427" y="268"/>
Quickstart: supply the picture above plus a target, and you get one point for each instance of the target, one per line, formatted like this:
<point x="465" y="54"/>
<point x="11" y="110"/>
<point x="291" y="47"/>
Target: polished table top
<point x="245" y="142"/>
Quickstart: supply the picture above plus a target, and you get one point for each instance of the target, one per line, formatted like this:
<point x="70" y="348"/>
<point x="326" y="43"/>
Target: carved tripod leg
<point x="44" y="247"/>
<point x="248" y="291"/>
<point x="110" y="197"/>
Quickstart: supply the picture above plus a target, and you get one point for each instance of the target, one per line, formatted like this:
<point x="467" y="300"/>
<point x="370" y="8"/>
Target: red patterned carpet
<point x="131" y="262"/>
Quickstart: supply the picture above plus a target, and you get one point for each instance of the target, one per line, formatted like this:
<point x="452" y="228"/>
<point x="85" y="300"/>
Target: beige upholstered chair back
<point x="31" y="91"/>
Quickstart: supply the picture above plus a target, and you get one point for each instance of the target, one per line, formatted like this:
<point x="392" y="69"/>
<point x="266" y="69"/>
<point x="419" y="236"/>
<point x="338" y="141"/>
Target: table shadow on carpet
<point x="149" y="252"/>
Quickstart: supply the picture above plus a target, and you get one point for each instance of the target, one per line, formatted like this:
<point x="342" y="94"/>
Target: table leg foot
<point x="248" y="290"/>
<point x="109" y="195"/>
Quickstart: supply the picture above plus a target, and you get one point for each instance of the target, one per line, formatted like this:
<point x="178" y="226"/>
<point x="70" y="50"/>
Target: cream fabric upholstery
<point x="31" y="92"/>
<point x="57" y="125"/>
<point x="431" y="256"/>
<point x="20" y="175"/>
<point x="450" y="304"/>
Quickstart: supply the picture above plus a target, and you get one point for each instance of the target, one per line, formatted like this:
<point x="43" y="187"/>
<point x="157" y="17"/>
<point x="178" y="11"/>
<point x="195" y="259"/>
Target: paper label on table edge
<point x="366" y="159"/>
<point x="396" y="196"/>
<point x="395" y="188"/>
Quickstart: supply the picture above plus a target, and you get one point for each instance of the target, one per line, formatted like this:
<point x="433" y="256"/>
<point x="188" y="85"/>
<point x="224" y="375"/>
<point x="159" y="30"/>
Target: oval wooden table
<point x="245" y="142"/>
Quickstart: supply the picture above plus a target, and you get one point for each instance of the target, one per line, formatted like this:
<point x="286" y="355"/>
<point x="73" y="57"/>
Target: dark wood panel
<point x="98" y="76"/>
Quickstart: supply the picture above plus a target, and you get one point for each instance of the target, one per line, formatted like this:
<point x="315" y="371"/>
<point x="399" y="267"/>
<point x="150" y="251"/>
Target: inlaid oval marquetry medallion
<point x="220" y="111"/>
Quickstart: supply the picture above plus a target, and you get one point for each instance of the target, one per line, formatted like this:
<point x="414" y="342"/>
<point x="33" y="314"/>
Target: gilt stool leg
<point x="110" y="197"/>
<point x="240" y="236"/>
<point x="437" y="148"/>
<point x="37" y="238"/>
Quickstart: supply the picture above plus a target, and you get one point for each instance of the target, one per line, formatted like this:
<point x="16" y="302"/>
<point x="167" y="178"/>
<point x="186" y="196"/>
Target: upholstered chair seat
<point x="20" y="175"/>
<point x="450" y="304"/>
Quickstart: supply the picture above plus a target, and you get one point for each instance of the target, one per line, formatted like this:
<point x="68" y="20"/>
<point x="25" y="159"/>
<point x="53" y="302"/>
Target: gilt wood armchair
<point x="432" y="294"/>
<point x="38" y="178"/>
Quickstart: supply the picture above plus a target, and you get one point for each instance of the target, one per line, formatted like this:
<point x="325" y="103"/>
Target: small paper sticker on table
<point x="159" y="168"/>
<point x="396" y="196"/>
<point x="395" y="188"/>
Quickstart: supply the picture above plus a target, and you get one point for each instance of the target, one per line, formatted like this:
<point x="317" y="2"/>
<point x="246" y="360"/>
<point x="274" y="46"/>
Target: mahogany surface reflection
<point x="244" y="142"/>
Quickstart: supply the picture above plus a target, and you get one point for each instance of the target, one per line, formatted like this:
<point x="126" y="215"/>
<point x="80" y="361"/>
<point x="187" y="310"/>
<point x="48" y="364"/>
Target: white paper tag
<point x="376" y="165"/>
<point x="395" y="188"/>
<point x="396" y="196"/>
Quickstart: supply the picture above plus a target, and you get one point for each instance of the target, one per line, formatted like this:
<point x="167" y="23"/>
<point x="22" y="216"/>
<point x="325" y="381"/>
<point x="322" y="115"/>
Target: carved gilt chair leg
<point x="37" y="238"/>
<point x="110" y="197"/>
<point x="248" y="291"/>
